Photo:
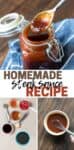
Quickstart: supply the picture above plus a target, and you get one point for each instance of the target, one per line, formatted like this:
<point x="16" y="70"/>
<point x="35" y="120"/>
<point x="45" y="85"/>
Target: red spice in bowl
<point x="24" y="105"/>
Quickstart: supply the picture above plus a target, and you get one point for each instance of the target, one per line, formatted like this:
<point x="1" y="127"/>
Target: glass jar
<point x="40" y="50"/>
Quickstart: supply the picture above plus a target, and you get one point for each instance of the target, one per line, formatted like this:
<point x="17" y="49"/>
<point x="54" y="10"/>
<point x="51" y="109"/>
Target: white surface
<point x="8" y="142"/>
<point x="6" y="86"/>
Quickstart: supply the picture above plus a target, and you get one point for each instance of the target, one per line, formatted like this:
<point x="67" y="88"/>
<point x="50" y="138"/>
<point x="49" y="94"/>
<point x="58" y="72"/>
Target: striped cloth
<point x="64" y="31"/>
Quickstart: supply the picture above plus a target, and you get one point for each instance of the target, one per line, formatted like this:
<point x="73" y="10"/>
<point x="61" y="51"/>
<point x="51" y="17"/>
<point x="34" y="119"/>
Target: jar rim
<point x="29" y="42"/>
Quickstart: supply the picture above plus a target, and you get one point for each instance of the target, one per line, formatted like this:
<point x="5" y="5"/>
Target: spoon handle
<point x="33" y="109"/>
<point x="70" y="132"/>
<point x="7" y="112"/>
<point x="58" y="5"/>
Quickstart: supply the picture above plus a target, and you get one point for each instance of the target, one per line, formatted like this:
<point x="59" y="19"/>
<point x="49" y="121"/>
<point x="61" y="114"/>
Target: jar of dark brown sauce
<point x="40" y="50"/>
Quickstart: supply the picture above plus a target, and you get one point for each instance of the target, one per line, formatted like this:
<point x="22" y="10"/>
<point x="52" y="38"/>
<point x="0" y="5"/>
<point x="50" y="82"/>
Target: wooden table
<point x="29" y="8"/>
<point x="47" y="142"/>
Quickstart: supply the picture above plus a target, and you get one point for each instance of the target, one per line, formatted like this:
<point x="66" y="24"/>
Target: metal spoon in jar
<point x="43" y="20"/>
<point x="59" y="125"/>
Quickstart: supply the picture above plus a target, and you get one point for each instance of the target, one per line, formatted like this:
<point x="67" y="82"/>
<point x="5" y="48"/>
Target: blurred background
<point x="29" y="8"/>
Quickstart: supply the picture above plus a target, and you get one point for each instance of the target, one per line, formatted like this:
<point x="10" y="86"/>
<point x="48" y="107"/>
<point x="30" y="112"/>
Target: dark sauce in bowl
<point x="53" y="126"/>
<point x="7" y="128"/>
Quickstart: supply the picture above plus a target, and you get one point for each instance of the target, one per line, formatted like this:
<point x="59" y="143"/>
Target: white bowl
<point x="22" y="113"/>
<point x="56" y="112"/>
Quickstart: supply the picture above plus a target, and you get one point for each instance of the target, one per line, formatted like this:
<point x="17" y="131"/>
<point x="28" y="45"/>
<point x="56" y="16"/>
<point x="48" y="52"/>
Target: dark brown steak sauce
<point x="39" y="25"/>
<point x="51" y="122"/>
<point x="38" y="37"/>
<point x="7" y="128"/>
